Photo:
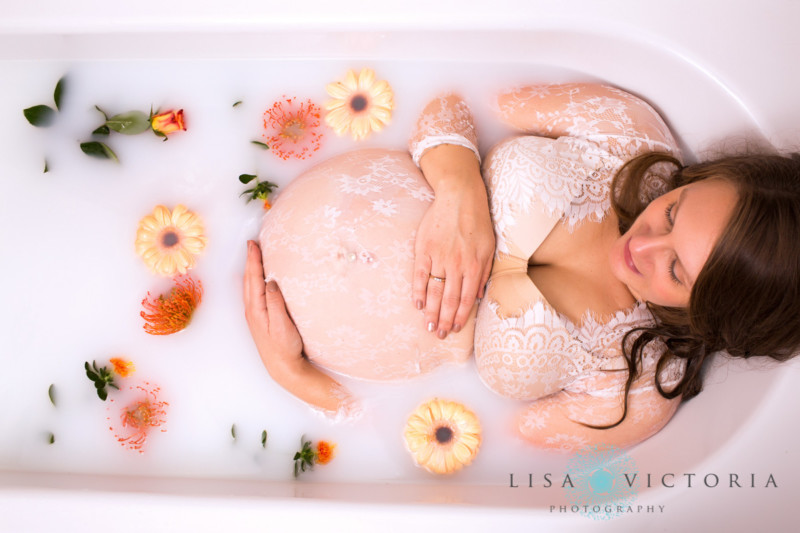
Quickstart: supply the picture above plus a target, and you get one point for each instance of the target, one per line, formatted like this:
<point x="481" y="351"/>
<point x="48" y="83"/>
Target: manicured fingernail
<point x="272" y="286"/>
<point x="431" y="326"/>
<point x="456" y="328"/>
<point x="419" y="305"/>
<point x="442" y="334"/>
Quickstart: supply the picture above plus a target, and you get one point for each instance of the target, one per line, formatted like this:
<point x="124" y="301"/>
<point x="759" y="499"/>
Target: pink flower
<point x="292" y="128"/>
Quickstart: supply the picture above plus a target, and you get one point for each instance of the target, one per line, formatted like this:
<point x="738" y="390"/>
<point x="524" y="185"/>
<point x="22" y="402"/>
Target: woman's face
<point x="662" y="253"/>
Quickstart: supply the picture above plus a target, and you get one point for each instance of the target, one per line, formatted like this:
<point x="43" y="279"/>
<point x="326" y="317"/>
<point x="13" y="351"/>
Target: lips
<point x="629" y="258"/>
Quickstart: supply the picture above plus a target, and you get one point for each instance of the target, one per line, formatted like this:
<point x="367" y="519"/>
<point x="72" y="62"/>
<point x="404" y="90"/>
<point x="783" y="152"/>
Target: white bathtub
<point x="714" y="70"/>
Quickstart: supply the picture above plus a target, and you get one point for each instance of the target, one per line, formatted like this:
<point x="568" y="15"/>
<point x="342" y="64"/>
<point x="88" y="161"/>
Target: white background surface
<point x="750" y="47"/>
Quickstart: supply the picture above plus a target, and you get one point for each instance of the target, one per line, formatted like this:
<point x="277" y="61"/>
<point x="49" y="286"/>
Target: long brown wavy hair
<point x="746" y="299"/>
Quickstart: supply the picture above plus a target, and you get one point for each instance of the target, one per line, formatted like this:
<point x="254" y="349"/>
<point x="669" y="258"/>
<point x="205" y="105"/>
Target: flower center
<point x="358" y="103"/>
<point x="139" y="416"/>
<point x="294" y="129"/>
<point x="444" y="435"/>
<point x="169" y="239"/>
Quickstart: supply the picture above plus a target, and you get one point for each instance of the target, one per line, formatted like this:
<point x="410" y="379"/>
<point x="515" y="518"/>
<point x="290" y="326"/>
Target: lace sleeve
<point x="553" y="422"/>
<point x="618" y="121"/>
<point x="445" y="120"/>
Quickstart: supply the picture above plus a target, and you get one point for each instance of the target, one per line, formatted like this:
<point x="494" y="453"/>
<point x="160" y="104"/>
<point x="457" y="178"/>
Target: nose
<point x="645" y="248"/>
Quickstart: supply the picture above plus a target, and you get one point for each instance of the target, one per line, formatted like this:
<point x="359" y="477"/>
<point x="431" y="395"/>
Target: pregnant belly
<point x="339" y="240"/>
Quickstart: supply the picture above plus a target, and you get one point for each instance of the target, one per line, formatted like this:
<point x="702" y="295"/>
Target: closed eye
<point x="670" y="224"/>
<point x="672" y="272"/>
<point x="668" y="214"/>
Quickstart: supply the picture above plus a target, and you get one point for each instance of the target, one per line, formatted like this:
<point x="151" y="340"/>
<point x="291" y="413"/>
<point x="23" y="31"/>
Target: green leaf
<point x="98" y="149"/>
<point x="46" y="168"/>
<point x="237" y="103"/>
<point x="233" y="431"/>
<point x="247" y="178"/>
<point x="102" y="393"/>
<point x="130" y="123"/>
<point x="51" y="392"/>
<point x="58" y="94"/>
<point x="264" y="439"/>
<point x="40" y="115"/>
<point x="262" y="145"/>
<point x="90" y="374"/>
<point x="102" y="130"/>
<point x="51" y="438"/>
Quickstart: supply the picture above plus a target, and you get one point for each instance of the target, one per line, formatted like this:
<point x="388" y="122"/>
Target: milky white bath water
<point x="72" y="283"/>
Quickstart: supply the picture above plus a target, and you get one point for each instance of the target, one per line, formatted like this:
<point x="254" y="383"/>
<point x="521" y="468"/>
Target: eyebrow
<point x="675" y="211"/>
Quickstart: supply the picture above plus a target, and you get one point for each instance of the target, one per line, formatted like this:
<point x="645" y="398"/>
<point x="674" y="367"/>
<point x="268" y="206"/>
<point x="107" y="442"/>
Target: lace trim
<point x="435" y="140"/>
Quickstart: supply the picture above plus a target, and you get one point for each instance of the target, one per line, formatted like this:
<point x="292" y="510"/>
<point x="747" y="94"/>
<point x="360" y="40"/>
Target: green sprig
<point x="264" y="439"/>
<point x="51" y="393"/>
<point x="101" y="377"/>
<point x="305" y="457"/>
<point x="262" y="189"/>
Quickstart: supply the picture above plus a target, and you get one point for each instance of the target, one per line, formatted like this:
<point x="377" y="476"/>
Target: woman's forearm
<point x="308" y="383"/>
<point x="449" y="167"/>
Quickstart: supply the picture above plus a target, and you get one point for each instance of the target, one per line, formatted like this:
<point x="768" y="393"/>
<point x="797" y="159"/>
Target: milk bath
<point x="74" y="284"/>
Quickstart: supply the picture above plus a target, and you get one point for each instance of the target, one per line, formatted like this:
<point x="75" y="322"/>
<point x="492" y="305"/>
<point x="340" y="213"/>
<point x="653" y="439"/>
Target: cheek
<point x="667" y="294"/>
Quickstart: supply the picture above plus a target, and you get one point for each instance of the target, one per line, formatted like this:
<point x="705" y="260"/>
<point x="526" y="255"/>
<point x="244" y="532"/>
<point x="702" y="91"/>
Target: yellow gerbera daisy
<point x="168" y="241"/>
<point x="443" y="436"/>
<point x="360" y="104"/>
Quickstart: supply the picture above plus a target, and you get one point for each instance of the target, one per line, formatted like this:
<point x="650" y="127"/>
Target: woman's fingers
<point x="450" y="301"/>
<point x="255" y="302"/>
<point x="279" y="319"/>
<point x="419" y="283"/>
<point x="469" y="293"/>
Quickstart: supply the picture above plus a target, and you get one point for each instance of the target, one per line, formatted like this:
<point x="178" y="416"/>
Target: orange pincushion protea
<point x="443" y="436"/>
<point x="172" y="312"/>
<point x="138" y="418"/>
<point x="293" y="128"/>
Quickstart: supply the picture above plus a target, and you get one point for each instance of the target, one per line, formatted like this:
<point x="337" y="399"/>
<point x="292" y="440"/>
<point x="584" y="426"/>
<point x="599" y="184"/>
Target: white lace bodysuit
<point x="577" y="137"/>
<point x="339" y="241"/>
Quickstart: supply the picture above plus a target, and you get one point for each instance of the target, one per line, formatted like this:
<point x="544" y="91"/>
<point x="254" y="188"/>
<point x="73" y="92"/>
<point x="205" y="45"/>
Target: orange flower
<point x="325" y="452"/>
<point x="292" y="128"/>
<point x="139" y="417"/>
<point x="361" y="104"/>
<point x="122" y="368"/>
<point x="172" y="312"/>
<point x="168" y="122"/>
<point x="167" y="241"/>
<point x="443" y="436"/>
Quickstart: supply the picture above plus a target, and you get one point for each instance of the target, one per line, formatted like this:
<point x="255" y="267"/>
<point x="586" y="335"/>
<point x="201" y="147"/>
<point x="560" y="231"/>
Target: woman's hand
<point x="276" y="337"/>
<point x="281" y="348"/>
<point x="455" y="240"/>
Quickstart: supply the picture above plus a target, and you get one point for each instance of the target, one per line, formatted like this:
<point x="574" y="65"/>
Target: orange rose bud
<point x="169" y="122"/>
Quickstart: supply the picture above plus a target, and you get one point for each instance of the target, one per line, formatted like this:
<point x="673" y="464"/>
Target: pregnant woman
<point x="614" y="272"/>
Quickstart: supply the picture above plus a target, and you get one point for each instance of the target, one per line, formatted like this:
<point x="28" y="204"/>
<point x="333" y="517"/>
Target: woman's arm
<point x="581" y="109"/>
<point x="553" y="422"/>
<point x="280" y="346"/>
<point x="455" y="239"/>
